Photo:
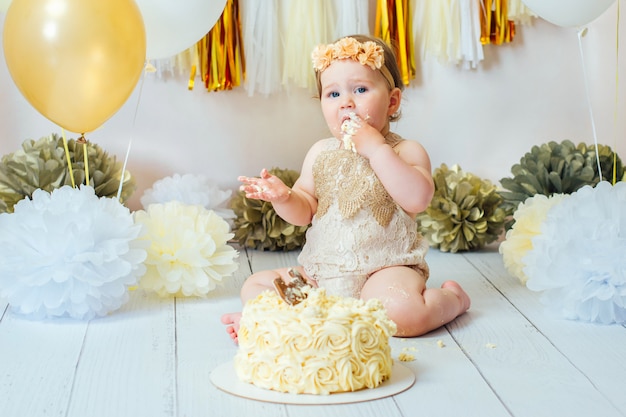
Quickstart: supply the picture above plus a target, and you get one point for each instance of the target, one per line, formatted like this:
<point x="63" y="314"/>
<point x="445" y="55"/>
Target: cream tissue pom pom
<point x="528" y="216"/>
<point x="69" y="253"/>
<point x="578" y="260"/>
<point x="188" y="253"/>
<point x="192" y="190"/>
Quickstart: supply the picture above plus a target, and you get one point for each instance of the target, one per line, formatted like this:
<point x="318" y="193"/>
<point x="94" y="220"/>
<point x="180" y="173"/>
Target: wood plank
<point x="37" y="365"/>
<point x="127" y="365"/>
<point x="596" y="351"/>
<point x="376" y="408"/>
<point x="523" y="367"/>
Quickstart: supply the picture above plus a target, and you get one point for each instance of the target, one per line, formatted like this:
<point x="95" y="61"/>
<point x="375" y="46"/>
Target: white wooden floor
<point x="154" y="357"/>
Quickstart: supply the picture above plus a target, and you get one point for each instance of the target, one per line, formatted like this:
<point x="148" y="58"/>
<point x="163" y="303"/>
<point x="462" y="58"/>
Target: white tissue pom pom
<point x="578" y="259"/>
<point x="528" y="216"/>
<point x="191" y="190"/>
<point x="69" y="253"/>
<point x="188" y="253"/>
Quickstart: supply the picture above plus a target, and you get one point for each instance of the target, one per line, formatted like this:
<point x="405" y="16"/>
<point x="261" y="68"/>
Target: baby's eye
<point x="361" y="90"/>
<point x="333" y="94"/>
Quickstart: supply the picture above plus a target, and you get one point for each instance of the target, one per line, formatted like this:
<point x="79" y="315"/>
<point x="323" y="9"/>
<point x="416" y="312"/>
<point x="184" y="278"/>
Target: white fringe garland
<point x="261" y="40"/>
<point x="310" y="23"/>
<point x="352" y="18"/>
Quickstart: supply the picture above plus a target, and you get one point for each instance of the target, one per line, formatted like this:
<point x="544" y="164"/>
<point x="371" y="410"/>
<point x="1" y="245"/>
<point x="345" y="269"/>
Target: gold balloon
<point x="75" y="61"/>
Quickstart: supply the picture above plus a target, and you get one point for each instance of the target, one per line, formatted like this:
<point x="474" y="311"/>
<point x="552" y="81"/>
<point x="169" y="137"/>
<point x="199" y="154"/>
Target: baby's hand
<point x="349" y="128"/>
<point x="268" y="187"/>
<point x="359" y="136"/>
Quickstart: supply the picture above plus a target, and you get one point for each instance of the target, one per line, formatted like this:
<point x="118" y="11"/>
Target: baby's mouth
<point x="350" y="124"/>
<point x="350" y="116"/>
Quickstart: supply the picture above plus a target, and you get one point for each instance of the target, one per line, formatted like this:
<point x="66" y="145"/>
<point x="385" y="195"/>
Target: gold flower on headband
<point x="367" y="53"/>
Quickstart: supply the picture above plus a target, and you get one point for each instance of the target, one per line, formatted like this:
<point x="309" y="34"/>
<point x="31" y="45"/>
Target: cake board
<point x="225" y="378"/>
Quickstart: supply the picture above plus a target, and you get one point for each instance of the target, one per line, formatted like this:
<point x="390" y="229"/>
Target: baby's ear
<point x="395" y="97"/>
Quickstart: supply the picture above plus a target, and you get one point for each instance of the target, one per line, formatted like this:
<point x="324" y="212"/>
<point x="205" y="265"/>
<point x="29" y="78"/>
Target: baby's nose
<point x="347" y="102"/>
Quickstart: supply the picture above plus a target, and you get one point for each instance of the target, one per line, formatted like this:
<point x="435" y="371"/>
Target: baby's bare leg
<point x="415" y="309"/>
<point x="252" y="287"/>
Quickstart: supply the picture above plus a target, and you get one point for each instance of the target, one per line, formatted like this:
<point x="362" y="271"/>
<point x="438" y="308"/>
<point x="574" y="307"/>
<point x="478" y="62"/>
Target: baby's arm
<point x="296" y="205"/>
<point x="405" y="172"/>
<point x="301" y="205"/>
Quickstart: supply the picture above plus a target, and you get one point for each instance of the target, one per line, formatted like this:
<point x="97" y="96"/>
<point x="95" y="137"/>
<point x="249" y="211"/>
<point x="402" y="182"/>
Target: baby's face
<point x="349" y="87"/>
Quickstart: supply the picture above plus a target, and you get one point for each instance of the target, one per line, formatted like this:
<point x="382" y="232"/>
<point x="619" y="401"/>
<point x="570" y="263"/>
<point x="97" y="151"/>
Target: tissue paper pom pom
<point x="191" y="190"/>
<point x="578" y="259"/>
<point x="257" y="225"/>
<point x="188" y="253"/>
<point x="42" y="164"/>
<point x="69" y="253"/>
<point x="558" y="168"/>
<point x="464" y="213"/>
<point x="528" y="219"/>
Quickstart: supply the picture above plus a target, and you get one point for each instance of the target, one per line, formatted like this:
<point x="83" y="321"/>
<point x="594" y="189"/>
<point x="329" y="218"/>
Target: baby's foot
<point x="232" y="319"/>
<point x="456" y="289"/>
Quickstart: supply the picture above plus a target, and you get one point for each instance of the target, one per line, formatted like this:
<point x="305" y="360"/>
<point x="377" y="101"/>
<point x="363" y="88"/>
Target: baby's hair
<point x="390" y="64"/>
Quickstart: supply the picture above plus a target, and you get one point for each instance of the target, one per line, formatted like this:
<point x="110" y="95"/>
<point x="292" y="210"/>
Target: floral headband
<point x="367" y="53"/>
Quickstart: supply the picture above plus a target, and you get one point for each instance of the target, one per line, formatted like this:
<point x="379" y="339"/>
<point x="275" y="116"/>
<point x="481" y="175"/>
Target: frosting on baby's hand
<point x="349" y="128"/>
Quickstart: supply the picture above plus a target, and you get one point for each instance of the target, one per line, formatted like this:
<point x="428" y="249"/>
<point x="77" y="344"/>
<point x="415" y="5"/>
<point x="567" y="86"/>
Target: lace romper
<point x="358" y="229"/>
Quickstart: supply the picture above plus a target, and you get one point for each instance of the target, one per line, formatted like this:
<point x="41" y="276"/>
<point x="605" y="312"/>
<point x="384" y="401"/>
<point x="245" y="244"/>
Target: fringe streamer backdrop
<point x="266" y="45"/>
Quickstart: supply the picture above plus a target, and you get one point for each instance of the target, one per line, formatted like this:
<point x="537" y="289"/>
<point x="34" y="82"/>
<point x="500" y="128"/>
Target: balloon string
<point x="582" y="33"/>
<point x="130" y="142"/>
<point x="67" y="156"/>
<point x="86" y="159"/>
<point x="616" y="97"/>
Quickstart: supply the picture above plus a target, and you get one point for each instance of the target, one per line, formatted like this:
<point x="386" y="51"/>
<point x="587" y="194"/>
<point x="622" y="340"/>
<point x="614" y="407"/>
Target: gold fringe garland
<point x="393" y="25"/>
<point x="222" y="62"/>
<point x="496" y="28"/>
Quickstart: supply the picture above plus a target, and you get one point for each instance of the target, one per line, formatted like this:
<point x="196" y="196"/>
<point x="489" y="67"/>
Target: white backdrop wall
<point x="525" y="93"/>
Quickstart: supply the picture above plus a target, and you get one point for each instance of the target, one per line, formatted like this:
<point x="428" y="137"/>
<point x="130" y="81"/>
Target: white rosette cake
<point x="322" y="345"/>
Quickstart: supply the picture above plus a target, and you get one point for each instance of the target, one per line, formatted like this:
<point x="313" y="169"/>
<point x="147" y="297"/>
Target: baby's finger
<point x="254" y="189"/>
<point x="245" y="180"/>
<point x="265" y="174"/>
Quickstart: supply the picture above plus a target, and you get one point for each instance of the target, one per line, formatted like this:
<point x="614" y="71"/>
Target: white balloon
<point x="4" y="5"/>
<point x="568" y="13"/>
<point x="175" y="25"/>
